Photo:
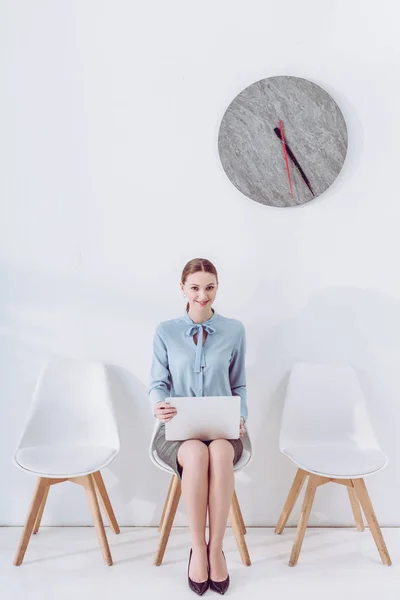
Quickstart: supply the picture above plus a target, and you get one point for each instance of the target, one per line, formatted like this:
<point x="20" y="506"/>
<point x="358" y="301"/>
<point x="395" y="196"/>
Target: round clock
<point x="282" y="141"/>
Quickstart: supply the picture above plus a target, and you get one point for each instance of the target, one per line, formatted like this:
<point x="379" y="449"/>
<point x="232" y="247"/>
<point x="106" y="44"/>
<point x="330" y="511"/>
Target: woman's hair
<point x="195" y="265"/>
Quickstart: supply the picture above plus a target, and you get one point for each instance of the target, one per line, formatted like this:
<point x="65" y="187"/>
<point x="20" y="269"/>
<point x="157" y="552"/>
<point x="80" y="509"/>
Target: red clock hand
<point x="285" y="157"/>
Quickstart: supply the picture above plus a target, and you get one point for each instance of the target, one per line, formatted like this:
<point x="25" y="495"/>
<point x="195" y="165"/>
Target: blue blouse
<point x="182" y="368"/>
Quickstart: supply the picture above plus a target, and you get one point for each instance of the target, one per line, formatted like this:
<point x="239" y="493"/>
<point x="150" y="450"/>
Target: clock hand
<point x="294" y="159"/>
<point x="285" y="157"/>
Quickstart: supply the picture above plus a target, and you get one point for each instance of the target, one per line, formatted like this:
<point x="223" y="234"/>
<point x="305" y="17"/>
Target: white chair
<point x="326" y="432"/>
<point x="174" y="494"/>
<point x="70" y="434"/>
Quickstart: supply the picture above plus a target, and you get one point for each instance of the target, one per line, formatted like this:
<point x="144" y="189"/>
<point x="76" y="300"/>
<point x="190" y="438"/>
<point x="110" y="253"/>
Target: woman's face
<point x="200" y="289"/>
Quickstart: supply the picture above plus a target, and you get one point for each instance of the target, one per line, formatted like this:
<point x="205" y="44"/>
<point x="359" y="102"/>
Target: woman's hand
<point x="242" y="430"/>
<point x="164" y="412"/>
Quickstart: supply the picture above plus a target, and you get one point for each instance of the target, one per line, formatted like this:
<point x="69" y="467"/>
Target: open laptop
<point x="204" y="418"/>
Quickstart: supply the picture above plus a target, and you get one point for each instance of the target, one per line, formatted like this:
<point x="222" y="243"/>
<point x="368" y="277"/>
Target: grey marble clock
<point x="282" y="141"/>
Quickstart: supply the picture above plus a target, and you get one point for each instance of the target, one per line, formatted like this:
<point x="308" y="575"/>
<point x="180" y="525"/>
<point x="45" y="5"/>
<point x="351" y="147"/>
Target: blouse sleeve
<point x="160" y="378"/>
<point x="237" y="372"/>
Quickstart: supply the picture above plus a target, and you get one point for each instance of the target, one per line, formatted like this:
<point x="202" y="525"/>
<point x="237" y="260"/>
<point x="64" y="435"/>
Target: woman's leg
<point x="221" y="486"/>
<point x="193" y="458"/>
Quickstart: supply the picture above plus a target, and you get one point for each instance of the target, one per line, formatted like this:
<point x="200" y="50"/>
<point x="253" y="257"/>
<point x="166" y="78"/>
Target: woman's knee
<point x="193" y="451"/>
<point x="221" y="451"/>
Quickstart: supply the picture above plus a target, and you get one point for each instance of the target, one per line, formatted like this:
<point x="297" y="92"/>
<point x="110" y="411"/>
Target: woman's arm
<point x="237" y="372"/>
<point x="160" y="378"/>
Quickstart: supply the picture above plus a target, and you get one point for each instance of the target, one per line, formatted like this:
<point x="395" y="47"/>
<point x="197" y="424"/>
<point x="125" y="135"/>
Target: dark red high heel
<point x="220" y="586"/>
<point x="197" y="587"/>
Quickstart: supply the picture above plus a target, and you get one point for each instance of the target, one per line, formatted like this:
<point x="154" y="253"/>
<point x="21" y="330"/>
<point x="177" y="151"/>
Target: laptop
<point x="204" y="418"/>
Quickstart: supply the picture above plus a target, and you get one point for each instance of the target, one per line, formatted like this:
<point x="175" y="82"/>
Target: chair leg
<point x="355" y="505"/>
<point x="41" y="509"/>
<point x="302" y="525"/>
<point x="239" y="535"/>
<point x="105" y="501"/>
<point x="236" y="504"/>
<point x="166" y="503"/>
<point x="372" y="521"/>
<point x="291" y="499"/>
<point x="38" y="496"/>
<point x="88" y="484"/>
<point x="173" y="501"/>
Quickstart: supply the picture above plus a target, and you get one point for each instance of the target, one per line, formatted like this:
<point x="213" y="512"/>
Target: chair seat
<point x="337" y="460"/>
<point x="64" y="461"/>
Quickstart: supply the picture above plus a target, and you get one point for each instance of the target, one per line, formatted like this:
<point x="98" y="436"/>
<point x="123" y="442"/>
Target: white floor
<point x="65" y="563"/>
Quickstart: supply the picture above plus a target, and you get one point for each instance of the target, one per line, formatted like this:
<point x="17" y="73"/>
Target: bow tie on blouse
<point x="199" y="328"/>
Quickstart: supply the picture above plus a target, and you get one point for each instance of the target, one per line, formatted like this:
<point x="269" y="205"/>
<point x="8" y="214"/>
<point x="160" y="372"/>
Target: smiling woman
<point x="199" y="282"/>
<point x="201" y="354"/>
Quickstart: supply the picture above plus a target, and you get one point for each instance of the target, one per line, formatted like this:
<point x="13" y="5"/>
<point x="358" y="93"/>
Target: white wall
<point x="111" y="182"/>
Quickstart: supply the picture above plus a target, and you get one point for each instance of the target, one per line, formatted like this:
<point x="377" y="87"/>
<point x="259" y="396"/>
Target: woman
<point x="201" y="353"/>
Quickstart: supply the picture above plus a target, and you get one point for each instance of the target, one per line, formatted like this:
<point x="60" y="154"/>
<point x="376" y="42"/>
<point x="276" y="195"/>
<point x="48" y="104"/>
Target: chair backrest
<point x="153" y="453"/>
<point x="248" y="452"/>
<point x="71" y="404"/>
<point x="324" y="403"/>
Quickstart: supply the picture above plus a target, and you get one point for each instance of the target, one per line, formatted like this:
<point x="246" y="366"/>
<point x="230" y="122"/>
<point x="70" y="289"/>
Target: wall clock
<point x="282" y="141"/>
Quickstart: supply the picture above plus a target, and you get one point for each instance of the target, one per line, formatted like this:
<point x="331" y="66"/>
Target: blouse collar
<point x="190" y="321"/>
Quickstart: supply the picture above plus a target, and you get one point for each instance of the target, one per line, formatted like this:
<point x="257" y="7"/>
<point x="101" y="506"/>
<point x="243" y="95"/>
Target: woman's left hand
<point x="242" y="430"/>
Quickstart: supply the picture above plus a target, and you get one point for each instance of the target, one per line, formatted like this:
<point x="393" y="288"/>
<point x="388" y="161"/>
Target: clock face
<point x="282" y="141"/>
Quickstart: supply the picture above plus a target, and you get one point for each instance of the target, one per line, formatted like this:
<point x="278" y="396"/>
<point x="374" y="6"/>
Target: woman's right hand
<point x="164" y="412"/>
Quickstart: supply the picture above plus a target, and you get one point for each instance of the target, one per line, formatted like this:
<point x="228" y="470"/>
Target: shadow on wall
<point x="45" y="315"/>
<point x="339" y="324"/>
<point x="360" y="327"/>
<point x="139" y="480"/>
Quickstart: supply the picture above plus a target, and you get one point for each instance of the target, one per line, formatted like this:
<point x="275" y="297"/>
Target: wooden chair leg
<point x="88" y="484"/>
<point x="355" y="505"/>
<point x="239" y="535"/>
<point x="40" y="490"/>
<point x="173" y="501"/>
<point x="41" y="509"/>
<point x="166" y="503"/>
<point x="372" y="521"/>
<point x="105" y="501"/>
<point x="235" y="502"/>
<point x="291" y="499"/>
<point x="302" y="525"/>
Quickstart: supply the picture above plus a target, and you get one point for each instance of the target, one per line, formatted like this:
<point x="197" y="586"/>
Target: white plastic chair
<point x="327" y="433"/>
<point x="174" y="494"/>
<point x="70" y="434"/>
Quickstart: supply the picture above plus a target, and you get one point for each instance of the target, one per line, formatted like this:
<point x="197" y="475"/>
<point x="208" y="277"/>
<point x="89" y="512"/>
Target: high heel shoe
<point x="220" y="586"/>
<point x="197" y="587"/>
